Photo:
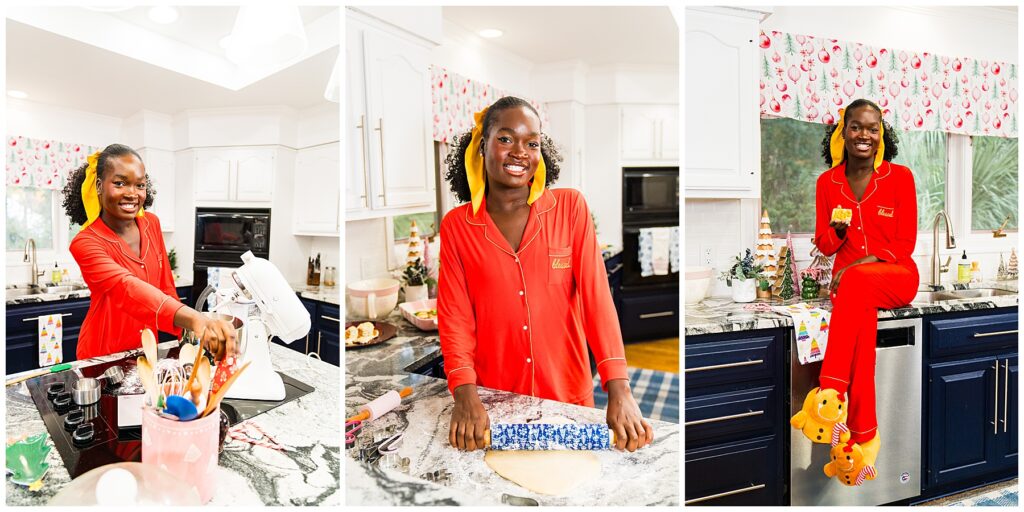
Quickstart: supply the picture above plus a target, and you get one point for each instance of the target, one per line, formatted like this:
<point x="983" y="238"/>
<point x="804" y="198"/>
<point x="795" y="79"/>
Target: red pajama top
<point x="884" y="221"/>
<point x="521" y="321"/>
<point x="128" y="292"/>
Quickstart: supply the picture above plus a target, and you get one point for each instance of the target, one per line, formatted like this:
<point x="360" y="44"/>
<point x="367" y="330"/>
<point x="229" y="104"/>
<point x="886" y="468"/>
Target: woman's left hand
<point x="631" y="430"/>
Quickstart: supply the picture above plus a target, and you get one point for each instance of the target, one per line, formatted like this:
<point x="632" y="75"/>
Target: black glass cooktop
<point x="109" y="444"/>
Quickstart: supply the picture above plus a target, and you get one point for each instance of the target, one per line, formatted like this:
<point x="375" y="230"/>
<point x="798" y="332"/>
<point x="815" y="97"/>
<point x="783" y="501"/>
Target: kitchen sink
<point x="936" y="296"/>
<point x="21" y="290"/>
<point x="64" y="288"/>
<point x="980" y="292"/>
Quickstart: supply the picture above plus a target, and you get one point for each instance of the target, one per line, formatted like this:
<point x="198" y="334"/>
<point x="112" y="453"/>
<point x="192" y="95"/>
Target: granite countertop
<point x="649" y="476"/>
<point x="306" y="474"/>
<point x="720" y="314"/>
<point x="76" y="294"/>
<point x="328" y="294"/>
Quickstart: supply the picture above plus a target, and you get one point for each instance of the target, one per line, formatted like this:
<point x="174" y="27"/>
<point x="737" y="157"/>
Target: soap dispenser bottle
<point x="963" y="270"/>
<point x="56" y="275"/>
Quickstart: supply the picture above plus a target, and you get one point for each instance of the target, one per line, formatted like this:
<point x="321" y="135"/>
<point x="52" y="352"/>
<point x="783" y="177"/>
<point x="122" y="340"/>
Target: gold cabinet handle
<point x="319" y="334"/>
<point x="995" y="418"/>
<point x="720" y="366"/>
<point x="723" y="494"/>
<point x="1006" y="392"/>
<point x="331" y="318"/>
<point x="723" y="418"/>
<point x="383" y="169"/>
<point x="36" y="318"/>
<point x="994" y="333"/>
<point x="362" y="150"/>
<point x="645" y="316"/>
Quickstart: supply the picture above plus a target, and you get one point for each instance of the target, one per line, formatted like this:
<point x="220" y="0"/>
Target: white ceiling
<point x="56" y="70"/>
<point x="201" y="27"/>
<point x="595" y="35"/>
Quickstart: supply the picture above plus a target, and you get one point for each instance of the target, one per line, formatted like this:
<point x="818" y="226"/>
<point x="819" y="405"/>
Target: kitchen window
<point x="994" y="183"/>
<point x="791" y="163"/>
<point x="30" y="214"/>
<point x="426" y="222"/>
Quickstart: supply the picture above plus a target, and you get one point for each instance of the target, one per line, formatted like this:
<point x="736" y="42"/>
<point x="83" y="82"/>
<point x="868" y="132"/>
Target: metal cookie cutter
<point x="508" y="499"/>
<point x="384" y="447"/>
<point x="440" y="476"/>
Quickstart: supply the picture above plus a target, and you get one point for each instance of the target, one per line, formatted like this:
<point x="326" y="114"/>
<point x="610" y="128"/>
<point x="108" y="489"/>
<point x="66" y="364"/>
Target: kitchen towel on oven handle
<point x="50" y="330"/>
<point x="811" y="327"/>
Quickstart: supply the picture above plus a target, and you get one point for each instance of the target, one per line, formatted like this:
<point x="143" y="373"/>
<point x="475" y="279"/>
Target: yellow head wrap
<point x="90" y="196"/>
<point x="475" y="167"/>
<point x="837" y="145"/>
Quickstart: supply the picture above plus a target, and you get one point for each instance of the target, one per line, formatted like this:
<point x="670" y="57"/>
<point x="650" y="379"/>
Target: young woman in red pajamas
<point x="522" y="288"/>
<point x="873" y="267"/>
<point x="123" y="260"/>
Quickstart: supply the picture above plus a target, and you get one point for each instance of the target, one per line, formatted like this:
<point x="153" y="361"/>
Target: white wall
<point x="366" y="249"/>
<point x="470" y="56"/>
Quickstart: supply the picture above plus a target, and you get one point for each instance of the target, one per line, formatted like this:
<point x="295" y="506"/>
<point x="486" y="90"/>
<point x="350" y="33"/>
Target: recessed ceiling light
<point x="163" y="14"/>
<point x="490" y="33"/>
<point x="17" y="94"/>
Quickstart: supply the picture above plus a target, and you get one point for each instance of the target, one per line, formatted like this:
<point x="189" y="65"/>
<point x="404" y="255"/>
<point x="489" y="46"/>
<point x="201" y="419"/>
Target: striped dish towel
<point x="656" y="392"/>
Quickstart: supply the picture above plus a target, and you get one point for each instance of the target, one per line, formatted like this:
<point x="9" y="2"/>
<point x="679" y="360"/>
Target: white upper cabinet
<point x="650" y="133"/>
<point x="237" y="174"/>
<point x="723" y="142"/>
<point x="317" y="191"/>
<point x="160" y="168"/>
<point x="388" y="124"/>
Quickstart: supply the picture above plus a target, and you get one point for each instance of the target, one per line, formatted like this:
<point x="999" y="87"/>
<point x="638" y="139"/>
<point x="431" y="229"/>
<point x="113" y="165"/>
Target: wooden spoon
<point x="195" y="367"/>
<point x="219" y="395"/>
<point x="149" y="345"/>
<point x="148" y="379"/>
<point x="203" y="379"/>
<point x="186" y="354"/>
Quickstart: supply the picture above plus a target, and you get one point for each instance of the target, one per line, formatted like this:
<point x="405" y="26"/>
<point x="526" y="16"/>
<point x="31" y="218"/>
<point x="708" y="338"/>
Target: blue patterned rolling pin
<point x="544" y="436"/>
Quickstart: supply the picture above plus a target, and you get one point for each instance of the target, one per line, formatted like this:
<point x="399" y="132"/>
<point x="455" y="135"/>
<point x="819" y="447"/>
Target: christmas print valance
<point x="43" y="163"/>
<point x="456" y="98"/>
<point x="811" y="78"/>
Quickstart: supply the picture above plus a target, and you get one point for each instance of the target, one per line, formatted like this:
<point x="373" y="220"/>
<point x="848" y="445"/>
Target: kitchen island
<point x="307" y="473"/>
<point x="649" y="476"/>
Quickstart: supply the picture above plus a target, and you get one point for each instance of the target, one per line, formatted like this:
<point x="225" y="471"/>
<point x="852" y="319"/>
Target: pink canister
<point x="186" y="449"/>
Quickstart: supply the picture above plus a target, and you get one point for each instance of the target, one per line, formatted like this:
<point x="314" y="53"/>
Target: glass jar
<point x="329" y="276"/>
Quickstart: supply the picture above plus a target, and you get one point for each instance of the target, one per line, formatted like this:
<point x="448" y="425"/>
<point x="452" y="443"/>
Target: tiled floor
<point x="949" y="500"/>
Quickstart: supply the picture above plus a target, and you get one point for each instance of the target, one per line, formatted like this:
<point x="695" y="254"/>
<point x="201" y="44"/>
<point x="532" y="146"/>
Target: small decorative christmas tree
<point x="792" y="262"/>
<point x="1001" y="272"/>
<point x="765" y="253"/>
<point x="415" y="245"/>
<point x="1011" y="268"/>
<point x="787" y="284"/>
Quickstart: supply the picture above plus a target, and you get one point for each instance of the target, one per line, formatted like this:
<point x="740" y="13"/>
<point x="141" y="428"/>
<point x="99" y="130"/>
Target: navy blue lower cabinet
<point x="734" y="473"/>
<point x="961" y="437"/>
<point x="22" y="343"/>
<point x="1006" y="440"/>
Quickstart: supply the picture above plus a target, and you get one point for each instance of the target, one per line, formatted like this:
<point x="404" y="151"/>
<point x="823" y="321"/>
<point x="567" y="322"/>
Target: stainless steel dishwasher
<point x="898" y="401"/>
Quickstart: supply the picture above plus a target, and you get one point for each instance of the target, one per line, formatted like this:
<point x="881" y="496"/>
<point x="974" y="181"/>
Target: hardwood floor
<point x="661" y="355"/>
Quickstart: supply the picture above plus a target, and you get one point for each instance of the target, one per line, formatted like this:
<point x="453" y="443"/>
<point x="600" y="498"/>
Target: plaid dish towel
<point x="811" y="326"/>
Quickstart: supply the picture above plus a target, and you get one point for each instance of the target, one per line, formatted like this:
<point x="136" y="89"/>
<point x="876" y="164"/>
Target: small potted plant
<point x="417" y="279"/>
<point x="743" y="277"/>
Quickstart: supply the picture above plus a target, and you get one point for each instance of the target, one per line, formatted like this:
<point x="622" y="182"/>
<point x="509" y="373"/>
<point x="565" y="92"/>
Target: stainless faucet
<point x="36" y="274"/>
<point x="950" y="244"/>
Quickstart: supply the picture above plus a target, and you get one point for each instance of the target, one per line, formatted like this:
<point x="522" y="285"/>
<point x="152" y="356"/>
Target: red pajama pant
<point x="849" y="365"/>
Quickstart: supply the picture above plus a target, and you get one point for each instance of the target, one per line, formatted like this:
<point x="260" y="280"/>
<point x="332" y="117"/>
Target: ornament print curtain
<point x="43" y="163"/>
<point x="810" y="78"/>
<point x="456" y="98"/>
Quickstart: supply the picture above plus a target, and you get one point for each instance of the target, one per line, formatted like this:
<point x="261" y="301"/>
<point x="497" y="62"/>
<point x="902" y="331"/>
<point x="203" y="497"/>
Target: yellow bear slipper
<point x="853" y="463"/>
<point x="822" y="418"/>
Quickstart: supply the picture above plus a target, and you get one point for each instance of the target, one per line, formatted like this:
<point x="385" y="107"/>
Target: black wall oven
<point x="223" y="235"/>
<point x="650" y="199"/>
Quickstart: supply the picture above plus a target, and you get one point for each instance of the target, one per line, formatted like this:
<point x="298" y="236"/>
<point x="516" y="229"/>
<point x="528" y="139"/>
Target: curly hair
<point x="73" y="206"/>
<point x="889" y="136"/>
<point x="455" y="161"/>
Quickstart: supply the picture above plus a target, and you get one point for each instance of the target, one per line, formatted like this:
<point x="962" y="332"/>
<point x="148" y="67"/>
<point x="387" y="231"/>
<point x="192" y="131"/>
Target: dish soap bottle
<point x="963" y="270"/>
<point x="56" y="275"/>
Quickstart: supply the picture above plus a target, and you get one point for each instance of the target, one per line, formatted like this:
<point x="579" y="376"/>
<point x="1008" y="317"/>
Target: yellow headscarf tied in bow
<point x="475" y="167"/>
<point x="90" y="196"/>
<point x="837" y="145"/>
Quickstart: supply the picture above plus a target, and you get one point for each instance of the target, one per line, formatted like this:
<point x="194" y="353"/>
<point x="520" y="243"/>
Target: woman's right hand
<point x="215" y="335"/>
<point x="469" y="420"/>
<point x="839" y="227"/>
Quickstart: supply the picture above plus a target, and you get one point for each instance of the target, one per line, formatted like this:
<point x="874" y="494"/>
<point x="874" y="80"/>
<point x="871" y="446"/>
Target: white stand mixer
<point x="267" y="306"/>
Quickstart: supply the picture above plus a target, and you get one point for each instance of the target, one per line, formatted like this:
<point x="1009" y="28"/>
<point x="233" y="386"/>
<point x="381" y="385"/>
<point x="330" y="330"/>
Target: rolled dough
<point x="555" y="472"/>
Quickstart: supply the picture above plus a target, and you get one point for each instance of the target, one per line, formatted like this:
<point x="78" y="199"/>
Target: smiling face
<point x="862" y="133"/>
<point x="512" y="148"/>
<point x="122" y="190"/>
